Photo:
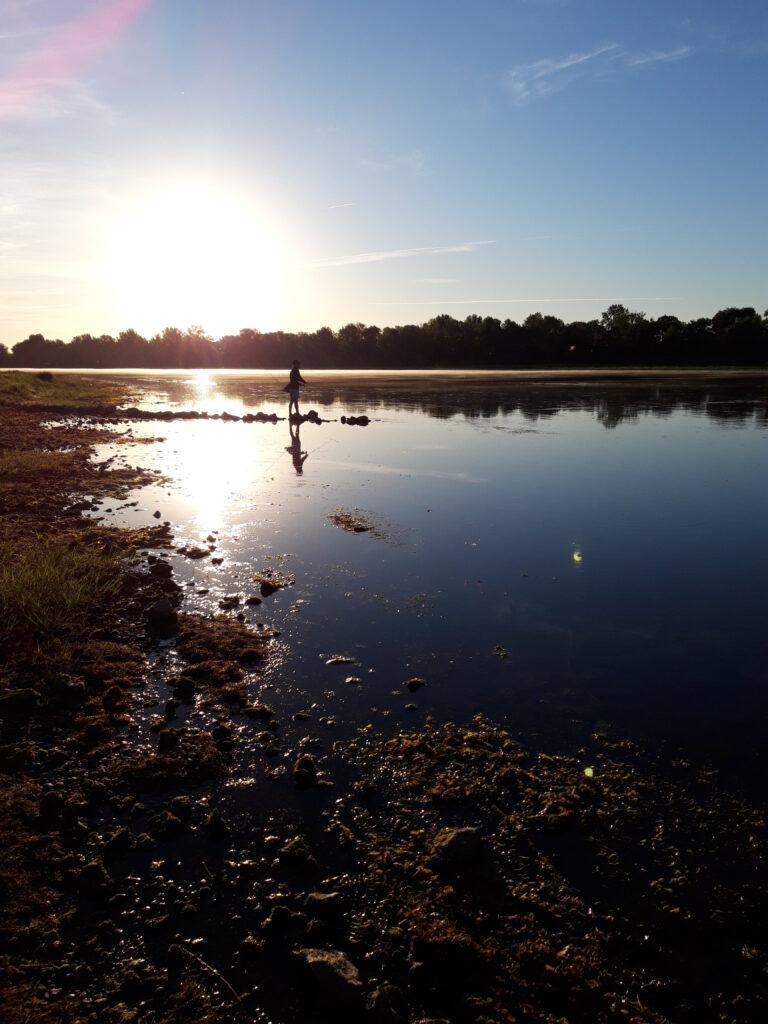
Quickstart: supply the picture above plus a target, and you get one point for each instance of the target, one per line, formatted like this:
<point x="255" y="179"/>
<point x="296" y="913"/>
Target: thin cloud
<point x="543" y="77"/>
<point x="413" y="161"/>
<point x="436" y="280"/>
<point x="396" y="254"/>
<point x="660" y="56"/>
<point x="340" y="206"/>
<point x="50" y="99"/>
<point x="22" y="33"/>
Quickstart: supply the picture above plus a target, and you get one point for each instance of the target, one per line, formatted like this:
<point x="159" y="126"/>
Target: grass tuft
<point x="47" y="589"/>
<point x="18" y="464"/>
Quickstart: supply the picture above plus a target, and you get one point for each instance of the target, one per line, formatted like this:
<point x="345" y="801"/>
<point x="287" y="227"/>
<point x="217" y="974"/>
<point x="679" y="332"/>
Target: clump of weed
<point x="47" y="587"/>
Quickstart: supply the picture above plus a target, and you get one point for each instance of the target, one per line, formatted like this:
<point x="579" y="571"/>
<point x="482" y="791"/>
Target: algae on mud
<point x="502" y="885"/>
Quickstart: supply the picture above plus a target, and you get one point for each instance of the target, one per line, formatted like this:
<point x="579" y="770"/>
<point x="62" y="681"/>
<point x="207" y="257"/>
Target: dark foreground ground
<point x="443" y="874"/>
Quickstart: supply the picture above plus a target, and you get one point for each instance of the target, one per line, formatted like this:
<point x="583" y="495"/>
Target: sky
<point x="289" y="165"/>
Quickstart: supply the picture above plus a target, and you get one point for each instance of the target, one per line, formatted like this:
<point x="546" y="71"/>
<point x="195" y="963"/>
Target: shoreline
<point x="441" y="874"/>
<point x="523" y="373"/>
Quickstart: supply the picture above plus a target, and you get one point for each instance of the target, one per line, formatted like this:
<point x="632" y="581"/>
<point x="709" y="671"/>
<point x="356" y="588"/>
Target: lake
<point x="567" y="554"/>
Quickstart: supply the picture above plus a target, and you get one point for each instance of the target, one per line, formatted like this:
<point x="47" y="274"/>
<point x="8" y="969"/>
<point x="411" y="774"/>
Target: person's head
<point x="296" y="362"/>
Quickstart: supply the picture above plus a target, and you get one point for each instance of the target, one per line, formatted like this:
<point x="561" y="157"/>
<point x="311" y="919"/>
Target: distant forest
<point x="732" y="337"/>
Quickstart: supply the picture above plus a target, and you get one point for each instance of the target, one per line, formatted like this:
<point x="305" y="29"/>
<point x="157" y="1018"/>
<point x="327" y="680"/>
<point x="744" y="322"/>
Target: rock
<point x="458" y="847"/>
<point x="118" y="843"/>
<point x="51" y="805"/>
<point x="165" y="825"/>
<point x="334" y="972"/>
<point x="322" y="904"/>
<point x="305" y="772"/>
<point x="18" y="702"/>
<point x="227" y="603"/>
<point x="184" y="687"/>
<point x="94" y="879"/>
<point x="70" y="689"/>
<point x="157" y="514"/>
<point x="194" y="552"/>
<point x="251" y="946"/>
<point x="168" y="740"/>
<point x="381" y="1004"/>
<point x="261" y="711"/>
<point x="218" y="829"/>
<point x="253" y="599"/>
<point x="283" y="917"/>
<point x="181" y="806"/>
<point x="267" y="588"/>
<point x="297" y="854"/>
<point x="414" y="683"/>
<point x="222" y="734"/>
<point x="162" y="614"/>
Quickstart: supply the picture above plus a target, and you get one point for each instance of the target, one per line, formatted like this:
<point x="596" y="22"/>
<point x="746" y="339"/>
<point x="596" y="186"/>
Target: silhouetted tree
<point x="736" y="335"/>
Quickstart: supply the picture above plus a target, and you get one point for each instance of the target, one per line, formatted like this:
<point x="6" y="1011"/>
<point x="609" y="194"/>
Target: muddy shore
<point x="443" y="874"/>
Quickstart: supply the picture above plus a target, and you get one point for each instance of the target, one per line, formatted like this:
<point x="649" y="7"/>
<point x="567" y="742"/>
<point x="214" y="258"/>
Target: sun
<point x="193" y="255"/>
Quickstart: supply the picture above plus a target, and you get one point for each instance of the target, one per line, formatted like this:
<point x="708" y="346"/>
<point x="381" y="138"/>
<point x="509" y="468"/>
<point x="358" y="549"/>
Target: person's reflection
<point x="299" y="457"/>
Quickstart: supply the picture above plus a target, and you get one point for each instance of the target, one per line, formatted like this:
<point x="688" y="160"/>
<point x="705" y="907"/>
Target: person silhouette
<point x="299" y="457"/>
<point x="295" y="381"/>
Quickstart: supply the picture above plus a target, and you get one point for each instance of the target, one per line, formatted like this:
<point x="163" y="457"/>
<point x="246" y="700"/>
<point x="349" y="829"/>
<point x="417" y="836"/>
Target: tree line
<point x="732" y="337"/>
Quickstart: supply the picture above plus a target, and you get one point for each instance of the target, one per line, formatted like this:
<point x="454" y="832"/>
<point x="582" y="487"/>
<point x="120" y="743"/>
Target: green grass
<point x="47" y="588"/>
<point x="59" y="389"/>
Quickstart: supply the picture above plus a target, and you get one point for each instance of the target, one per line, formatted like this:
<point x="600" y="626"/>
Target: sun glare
<point x="195" y="256"/>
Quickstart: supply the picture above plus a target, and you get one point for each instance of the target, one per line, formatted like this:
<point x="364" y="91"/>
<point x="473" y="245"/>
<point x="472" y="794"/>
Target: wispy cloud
<point x="413" y="161"/>
<point x="549" y="75"/>
<point x="542" y="77"/>
<point x="49" y="99"/>
<point x="656" y="56"/>
<point x="340" y="206"/>
<point x="436" y="280"/>
<point x="397" y="254"/>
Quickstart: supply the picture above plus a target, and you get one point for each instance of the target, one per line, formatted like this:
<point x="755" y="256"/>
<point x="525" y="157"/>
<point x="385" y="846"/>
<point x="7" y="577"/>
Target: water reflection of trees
<point x="611" y="403"/>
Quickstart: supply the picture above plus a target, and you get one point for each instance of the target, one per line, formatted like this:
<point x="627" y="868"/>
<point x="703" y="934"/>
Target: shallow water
<point x="567" y="555"/>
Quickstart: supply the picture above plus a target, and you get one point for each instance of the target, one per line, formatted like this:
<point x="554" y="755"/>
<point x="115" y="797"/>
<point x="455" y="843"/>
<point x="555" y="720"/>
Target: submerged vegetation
<point x="737" y="336"/>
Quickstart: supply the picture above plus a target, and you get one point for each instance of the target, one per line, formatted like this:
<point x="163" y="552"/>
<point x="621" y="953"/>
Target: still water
<point x="567" y="555"/>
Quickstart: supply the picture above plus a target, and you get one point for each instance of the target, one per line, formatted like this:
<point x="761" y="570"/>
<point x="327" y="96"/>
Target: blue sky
<point x="290" y="165"/>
